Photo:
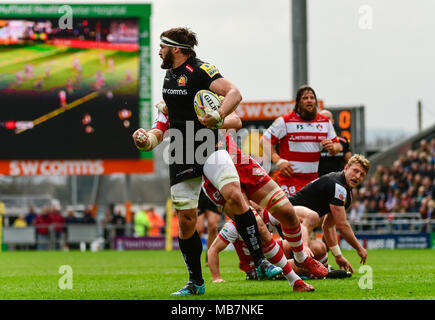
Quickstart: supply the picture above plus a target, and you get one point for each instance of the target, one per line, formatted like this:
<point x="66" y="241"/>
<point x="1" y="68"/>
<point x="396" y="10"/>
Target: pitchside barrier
<point x="374" y="231"/>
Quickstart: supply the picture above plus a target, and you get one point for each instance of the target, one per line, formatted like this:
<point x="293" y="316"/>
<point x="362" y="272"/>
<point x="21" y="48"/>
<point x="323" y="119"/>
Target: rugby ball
<point x="206" y="102"/>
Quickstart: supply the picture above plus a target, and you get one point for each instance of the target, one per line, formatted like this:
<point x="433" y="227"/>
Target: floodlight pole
<point x="419" y="116"/>
<point x="299" y="40"/>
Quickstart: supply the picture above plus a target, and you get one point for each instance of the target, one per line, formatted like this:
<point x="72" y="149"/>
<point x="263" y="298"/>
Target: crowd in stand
<point x="408" y="186"/>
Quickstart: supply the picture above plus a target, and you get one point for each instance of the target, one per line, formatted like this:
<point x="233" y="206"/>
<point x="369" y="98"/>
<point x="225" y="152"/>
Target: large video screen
<point x="68" y="93"/>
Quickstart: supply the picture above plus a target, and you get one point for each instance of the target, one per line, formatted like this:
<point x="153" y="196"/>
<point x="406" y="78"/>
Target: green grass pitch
<point x="153" y="275"/>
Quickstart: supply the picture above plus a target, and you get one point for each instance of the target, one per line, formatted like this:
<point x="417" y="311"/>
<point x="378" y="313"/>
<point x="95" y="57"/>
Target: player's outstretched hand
<point x="363" y="254"/>
<point x="343" y="263"/>
<point x="140" y="138"/>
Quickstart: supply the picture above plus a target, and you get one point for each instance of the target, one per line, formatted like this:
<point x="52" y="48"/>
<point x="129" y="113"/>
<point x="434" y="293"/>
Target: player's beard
<point x="168" y="60"/>
<point x="308" y="115"/>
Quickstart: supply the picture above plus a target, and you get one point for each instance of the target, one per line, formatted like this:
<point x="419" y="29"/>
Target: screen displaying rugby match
<point x="68" y="93"/>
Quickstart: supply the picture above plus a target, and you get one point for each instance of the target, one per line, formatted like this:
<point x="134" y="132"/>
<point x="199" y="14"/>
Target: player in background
<point x="332" y="163"/>
<point x="208" y="210"/>
<point x="185" y="76"/>
<point x="330" y="196"/>
<point x="300" y="135"/>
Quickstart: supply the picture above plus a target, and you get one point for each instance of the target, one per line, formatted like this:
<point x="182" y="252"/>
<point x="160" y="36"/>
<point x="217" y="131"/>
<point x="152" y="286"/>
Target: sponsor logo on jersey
<point x="319" y="127"/>
<point x="209" y="69"/>
<point x="180" y="92"/>
<point x="299" y="127"/>
<point x="293" y="137"/>
<point x="182" y="80"/>
<point x="340" y="192"/>
<point x="190" y="170"/>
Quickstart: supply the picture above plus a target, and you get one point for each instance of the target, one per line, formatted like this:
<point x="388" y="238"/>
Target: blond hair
<point x="361" y="160"/>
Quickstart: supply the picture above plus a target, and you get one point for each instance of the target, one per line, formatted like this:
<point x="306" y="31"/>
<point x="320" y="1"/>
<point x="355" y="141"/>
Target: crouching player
<point x="329" y="196"/>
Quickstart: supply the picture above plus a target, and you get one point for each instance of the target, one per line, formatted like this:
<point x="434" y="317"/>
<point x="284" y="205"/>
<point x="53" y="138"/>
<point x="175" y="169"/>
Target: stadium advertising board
<point x="143" y="243"/>
<point x="392" y="241"/>
<point x="75" y="82"/>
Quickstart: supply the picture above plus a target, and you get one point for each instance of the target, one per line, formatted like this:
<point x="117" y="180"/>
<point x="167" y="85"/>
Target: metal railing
<point x="395" y="223"/>
<point x="75" y="235"/>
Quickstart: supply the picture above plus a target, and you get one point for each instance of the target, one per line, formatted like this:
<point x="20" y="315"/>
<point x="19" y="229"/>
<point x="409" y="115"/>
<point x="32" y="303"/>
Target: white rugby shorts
<point x="218" y="168"/>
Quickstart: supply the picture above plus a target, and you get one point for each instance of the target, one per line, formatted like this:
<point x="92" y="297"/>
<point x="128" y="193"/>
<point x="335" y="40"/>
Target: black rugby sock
<point x="191" y="250"/>
<point x="246" y="225"/>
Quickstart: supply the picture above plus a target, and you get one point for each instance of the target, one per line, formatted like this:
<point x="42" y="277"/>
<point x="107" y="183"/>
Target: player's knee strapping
<point x="274" y="200"/>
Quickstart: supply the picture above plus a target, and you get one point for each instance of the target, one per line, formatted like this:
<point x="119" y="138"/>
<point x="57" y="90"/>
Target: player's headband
<point x="171" y="43"/>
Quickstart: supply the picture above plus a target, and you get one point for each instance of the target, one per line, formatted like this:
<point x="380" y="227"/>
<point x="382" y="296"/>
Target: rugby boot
<point x="190" y="289"/>
<point x="338" y="274"/>
<point x="267" y="270"/>
<point x="300" y="286"/>
<point x="314" y="266"/>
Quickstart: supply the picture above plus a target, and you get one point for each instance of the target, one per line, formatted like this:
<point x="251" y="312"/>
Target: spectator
<point x="70" y="217"/>
<point x="88" y="218"/>
<point x="141" y="223"/>
<point x="20" y="221"/>
<point x="379" y="173"/>
<point x="381" y="206"/>
<point x="355" y="212"/>
<point x="372" y="206"/>
<point x="42" y="223"/>
<point x="156" y="222"/>
<point x="107" y="223"/>
<point x="118" y="222"/>
<point x="31" y="216"/>
<point x="59" y="224"/>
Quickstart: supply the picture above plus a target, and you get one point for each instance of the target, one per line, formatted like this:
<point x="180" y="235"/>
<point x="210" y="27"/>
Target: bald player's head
<point x="327" y="114"/>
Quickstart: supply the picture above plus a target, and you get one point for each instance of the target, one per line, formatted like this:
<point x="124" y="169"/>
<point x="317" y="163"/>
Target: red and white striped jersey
<point x="299" y="140"/>
<point x="161" y="122"/>
<point x="229" y="234"/>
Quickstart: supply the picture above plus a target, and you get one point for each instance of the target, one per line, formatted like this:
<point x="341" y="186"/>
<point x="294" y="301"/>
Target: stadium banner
<point x="267" y="110"/>
<point x="143" y="243"/>
<point x="391" y="241"/>
<point x="83" y="167"/>
<point x="75" y="83"/>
